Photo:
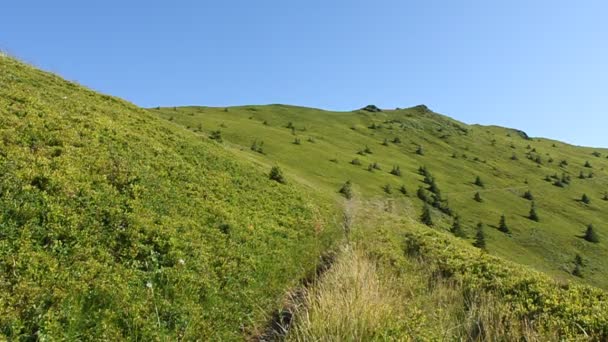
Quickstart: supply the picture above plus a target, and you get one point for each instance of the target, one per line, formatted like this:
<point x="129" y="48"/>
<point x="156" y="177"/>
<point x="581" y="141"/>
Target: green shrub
<point x="276" y="174"/>
<point x="347" y="190"/>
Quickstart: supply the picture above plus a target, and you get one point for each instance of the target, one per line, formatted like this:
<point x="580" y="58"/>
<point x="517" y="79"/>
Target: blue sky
<point x="541" y="66"/>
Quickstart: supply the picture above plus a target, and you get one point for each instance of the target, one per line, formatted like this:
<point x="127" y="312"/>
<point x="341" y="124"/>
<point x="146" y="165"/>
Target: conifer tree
<point x="456" y="228"/>
<point x="385" y="142"/>
<point x="502" y="225"/>
<point x="480" y="237"/>
<point x="403" y="190"/>
<point x="528" y="195"/>
<point x="479" y="182"/>
<point x="533" y="215"/>
<point x="585" y="199"/>
<point x="427" y="217"/>
<point x="591" y="235"/>
<point x="477" y="197"/>
<point x="420" y="151"/>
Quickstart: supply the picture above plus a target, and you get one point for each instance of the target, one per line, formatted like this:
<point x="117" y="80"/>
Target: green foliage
<point x="347" y="190"/>
<point x="427" y="216"/>
<point x="116" y="225"/>
<point x="591" y="235"/>
<point x="403" y="189"/>
<point x="456" y="228"/>
<point x="396" y="171"/>
<point x="533" y="215"/>
<point x="420" y="150"/>
<point x="480" y="237"/>
<point x="502" y="225"/>
<point x="528" y="195"/>
<point x="479" y="182"/>
<point x="477" y="197"/>
<point x="276" y="174"/>
<point x="356" y="161"/>
<point x="585" y="199"/>
<point x="216" y="135"/>
<point x="388" y="189"/>
<point x="297" y="141"/>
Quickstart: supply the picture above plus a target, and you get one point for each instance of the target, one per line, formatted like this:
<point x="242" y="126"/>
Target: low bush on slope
<point x="115" y="224"/>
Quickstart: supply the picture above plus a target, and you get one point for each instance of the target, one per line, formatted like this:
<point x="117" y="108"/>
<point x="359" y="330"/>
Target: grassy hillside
<point x="116" y="225"/>
<point x="318" y="148"/>
<point x="401" y="281"/>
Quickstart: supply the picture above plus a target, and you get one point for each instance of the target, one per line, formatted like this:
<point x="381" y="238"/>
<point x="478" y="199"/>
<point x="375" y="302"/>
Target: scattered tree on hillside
<point x="367" y="150"/>
<point x="297" y="141"/>
<point x="426" y="216"/>
<point x="456" y="228"/>
<point x="396" y="171"/>
<point x="480" y="237"/>
<point x="403" y="190"/>
<point x="605" y="198"/>
<point x="347" y="190"/>
<point x="257" y="147"/>
<point x="528" y="195"/>
<point x="216" y="135"/>
<point x="577" y="272"/>
<point x="477" y="197"/>
<point x="502" y="225"/>
<point x="421" y="193"/>
<point x="563" y="163"/>
<point x="591" y="235"/>
<point x="479" y="182"/>
<point x="385" y="142"/>
<point x="355" y="161"/>
<point x="276" y="174"/>
<point x="396" y="140"/>
<point x="376" y="166"/>
<point x="588" y="164"/>
<point x="581" y="175"/>
<point x="533" y="214"/>
<point x="388" y="189"/>
<point x="290" y="125"/>
<point x="420" y="150"/>
<point x="514" y="157"/>
<point x="585" y="199"/>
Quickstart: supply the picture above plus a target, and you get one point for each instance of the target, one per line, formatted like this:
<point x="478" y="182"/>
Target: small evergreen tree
<point x="403" y="190"/>
<point x="577" y="272"/>
<point x="502" y="225"/>
<point x="426" y="216"/>
<point x="276" y="174"/>
<point x="480" y="237"/>
<point x="367" y="150"/>
<point x="479" y="182"/>
<point x="356" y="161"/>
<point x="421" y="193"/>
<point x="385" y="142"/>
<point x="477" y="197"/>
<point x="396" y="171"/>
<point x="588" y="164"/>
<point x="514" y="157"/>
<point x="578" y="260"/>
<point x="528" y="195"/>
<point x="585" y="199"/>
<point x="533" y="215"/>
<point x="591" y="235"/>
<point x="297" y="141"/>
<point x="456" y="228"/>
<point x="396" y="140"/>
<point x="388" y="189"/>
<point x="605" y="198"/>
<point x="347" y="190"/>
<point x="290" y="125"/>
<point x="420" y="150"/>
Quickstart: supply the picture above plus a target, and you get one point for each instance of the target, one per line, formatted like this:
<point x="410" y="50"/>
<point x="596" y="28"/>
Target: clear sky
<point x="537" y="65"/>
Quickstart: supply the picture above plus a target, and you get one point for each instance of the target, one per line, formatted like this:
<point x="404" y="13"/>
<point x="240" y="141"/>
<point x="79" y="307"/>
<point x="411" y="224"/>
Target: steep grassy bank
<point x="398" y="280"/>
<point x="381" y="151"/>
<point x="116" y="225"/>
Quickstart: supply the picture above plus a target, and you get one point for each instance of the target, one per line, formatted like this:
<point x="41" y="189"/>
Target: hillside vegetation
<point x="477" y="173"/>
<point x="116" y="225"/>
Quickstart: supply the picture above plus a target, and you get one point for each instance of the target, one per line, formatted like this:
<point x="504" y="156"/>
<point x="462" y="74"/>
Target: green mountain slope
<point x="324" y="149"/>
<point x="115" y="225"/>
